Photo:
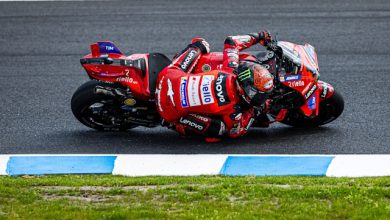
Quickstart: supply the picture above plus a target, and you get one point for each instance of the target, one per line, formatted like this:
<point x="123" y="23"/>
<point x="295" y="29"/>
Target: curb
<point x="198" y="164"/>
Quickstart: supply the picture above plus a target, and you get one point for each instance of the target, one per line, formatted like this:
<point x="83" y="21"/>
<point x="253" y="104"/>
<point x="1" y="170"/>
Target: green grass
<point x="115" y="197"/>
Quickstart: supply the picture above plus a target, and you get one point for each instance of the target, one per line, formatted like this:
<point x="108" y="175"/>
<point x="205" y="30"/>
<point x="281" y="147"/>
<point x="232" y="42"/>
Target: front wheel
<point x="330" y="109"/>
<point x="98" y="110"/>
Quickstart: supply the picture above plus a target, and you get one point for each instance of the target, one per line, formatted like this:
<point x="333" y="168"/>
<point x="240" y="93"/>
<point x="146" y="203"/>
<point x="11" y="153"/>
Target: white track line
<point x="359" y="166"/>
<point x="168" y="165"/>
<point x="3" y="164"/>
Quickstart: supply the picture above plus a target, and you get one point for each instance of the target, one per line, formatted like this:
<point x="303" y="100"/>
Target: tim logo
<point x="108" y="48"/>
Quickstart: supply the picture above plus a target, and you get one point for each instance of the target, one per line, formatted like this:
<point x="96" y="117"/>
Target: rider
<point x="216" y="102"/>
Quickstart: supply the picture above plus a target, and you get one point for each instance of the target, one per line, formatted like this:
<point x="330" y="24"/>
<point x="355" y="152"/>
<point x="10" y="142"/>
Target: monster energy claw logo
<point x="244" y="75"/>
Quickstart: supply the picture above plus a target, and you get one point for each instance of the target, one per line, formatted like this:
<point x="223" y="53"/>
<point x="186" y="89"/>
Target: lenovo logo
<point x="311" y="91"/>
<point x="192" y="124"/>
<point x="220" y="89"/>
<point x="188" y="60"/>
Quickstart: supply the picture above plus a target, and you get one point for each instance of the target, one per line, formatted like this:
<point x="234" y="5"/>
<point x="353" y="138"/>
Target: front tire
<point x="330" y="109"/>
<point x="98" y="111"/>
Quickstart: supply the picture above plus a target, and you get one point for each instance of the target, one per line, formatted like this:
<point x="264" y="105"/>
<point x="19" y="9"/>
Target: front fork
<point x="311" y="107"/>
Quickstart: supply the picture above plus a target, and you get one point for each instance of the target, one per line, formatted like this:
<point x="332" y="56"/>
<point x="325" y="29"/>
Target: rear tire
<point x="83" y="107"/>
<point x="330" y="109"/>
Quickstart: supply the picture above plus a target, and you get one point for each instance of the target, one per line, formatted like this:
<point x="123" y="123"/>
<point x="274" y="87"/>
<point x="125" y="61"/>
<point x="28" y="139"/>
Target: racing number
<point x="127" y="71"/>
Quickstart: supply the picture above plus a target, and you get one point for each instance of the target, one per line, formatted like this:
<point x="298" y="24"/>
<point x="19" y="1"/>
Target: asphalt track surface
<point x="42" y="42"/>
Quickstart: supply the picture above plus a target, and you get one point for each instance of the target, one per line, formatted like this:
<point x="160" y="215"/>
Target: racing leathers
<point x="207" y="103"/>
<point x="234" y="44"/>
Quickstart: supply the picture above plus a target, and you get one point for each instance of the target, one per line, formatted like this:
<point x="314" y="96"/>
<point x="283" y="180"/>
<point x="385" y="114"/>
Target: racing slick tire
<point x="330" y="109"/>
<point x="97" y="111"/>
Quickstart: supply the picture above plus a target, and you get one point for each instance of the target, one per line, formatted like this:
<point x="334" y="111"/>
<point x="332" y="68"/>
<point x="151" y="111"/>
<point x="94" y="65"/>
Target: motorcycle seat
<point x="156" y="63"/>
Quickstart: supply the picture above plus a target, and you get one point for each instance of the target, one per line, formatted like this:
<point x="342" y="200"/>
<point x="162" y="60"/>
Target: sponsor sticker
<point x="296" y="83"/>
<point x="200" y="117"/>
<point x="296" y="77"/>
<point x="108" y="47"/>
<point x="289" y="78"/>
<point x="312" y="103"/>
<point x="170" y="92"/>
<point x="281" y="78"/>
<point x="192" y="91"/>
<point x="183" y="92"/>
<point x="206" y="68"/>
<point x="205" y="90"/>
<point x="127" y="80"/>
<point x="189" y="58"/>
<point x="311" y="91"/>
<point x="325" y="90"/>
<point x="220" y="90"/>
<point x="195" y="125"/>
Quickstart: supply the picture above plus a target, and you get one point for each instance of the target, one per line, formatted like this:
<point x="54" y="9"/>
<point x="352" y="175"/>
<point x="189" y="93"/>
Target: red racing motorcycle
<point x="120" y="94"/>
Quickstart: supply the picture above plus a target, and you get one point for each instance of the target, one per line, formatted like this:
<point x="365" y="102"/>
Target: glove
<point x="267" y="106"/>
<point x="263" y="108"/>
<point x="265" y="37"/>
<point x="201" y="44"/>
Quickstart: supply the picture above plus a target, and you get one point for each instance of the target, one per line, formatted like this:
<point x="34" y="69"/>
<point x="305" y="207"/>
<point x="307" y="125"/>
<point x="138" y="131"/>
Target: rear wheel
<point x="330" y="109"/>
<point x="98" y="110"/>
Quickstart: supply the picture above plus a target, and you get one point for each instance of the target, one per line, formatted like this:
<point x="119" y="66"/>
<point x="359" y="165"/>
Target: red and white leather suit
<point x="206" y="103"/>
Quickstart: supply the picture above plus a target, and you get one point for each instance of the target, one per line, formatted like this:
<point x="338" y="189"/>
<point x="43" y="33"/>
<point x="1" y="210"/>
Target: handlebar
<point x="273" y="46"/>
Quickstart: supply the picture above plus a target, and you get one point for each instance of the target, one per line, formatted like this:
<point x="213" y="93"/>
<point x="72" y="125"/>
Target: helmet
<point x="255" y="80"/>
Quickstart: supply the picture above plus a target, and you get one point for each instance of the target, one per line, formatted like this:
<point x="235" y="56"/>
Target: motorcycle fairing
<point x="208" y="62"/>
<point x="107" y="63"/>
<point x="137" y="72"/>
<point x="326" y="90"/>
<point x="305" y="81"/>
<point x="104" y="47"/>
<point x="213" y="61"/>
